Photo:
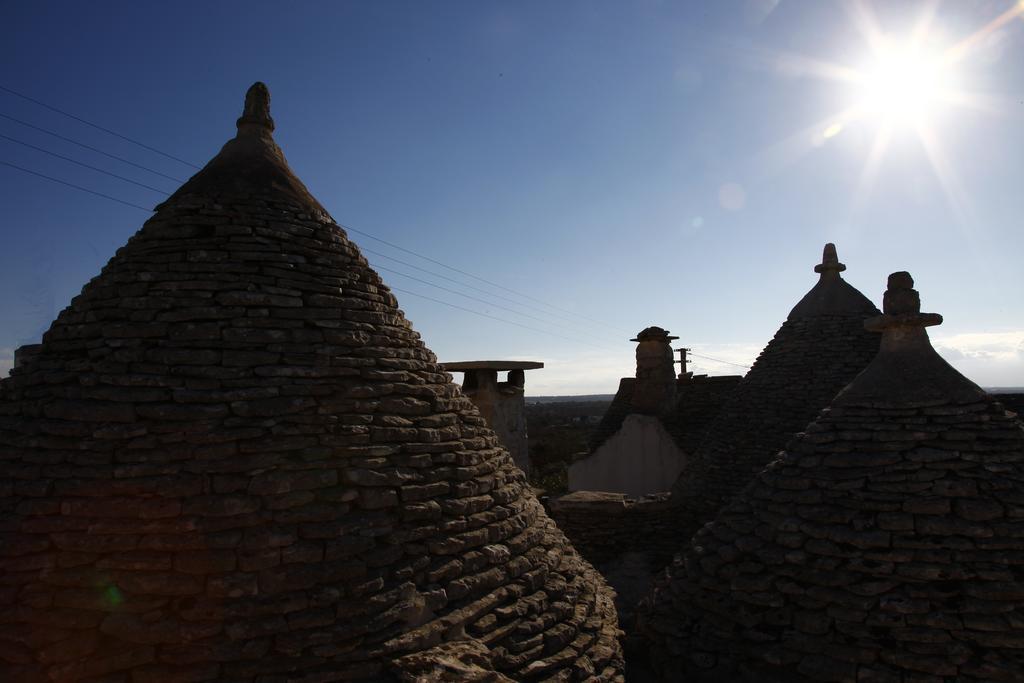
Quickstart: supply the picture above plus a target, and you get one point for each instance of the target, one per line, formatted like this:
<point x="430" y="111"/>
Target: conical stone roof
<point x="233" y="459"/>
<point x="885" y="544"/>
<point x="819" y="349"/>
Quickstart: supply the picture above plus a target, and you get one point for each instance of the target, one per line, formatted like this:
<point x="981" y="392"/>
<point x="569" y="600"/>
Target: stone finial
<point x="257" y="108"/>
<point x="900" y="296"/>
<point x="901" y="306"/>
<point x="829" y="261"/>
<point x="907" y="369"/>
<point x="831" y="295"/>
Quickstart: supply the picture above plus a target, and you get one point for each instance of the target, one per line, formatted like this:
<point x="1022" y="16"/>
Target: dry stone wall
<point x="603" y="525"/>
<point x="232" y="458"/>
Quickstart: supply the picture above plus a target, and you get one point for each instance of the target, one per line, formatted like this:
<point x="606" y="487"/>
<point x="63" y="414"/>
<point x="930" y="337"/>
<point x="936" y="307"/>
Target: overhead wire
<point x="469" y="286"/>
<point x="475" y="277"/>
<point x="467" y="296"/>
<point x="95" y="125"/>
<point x="449" y="279"/>
<point x="719" y="360"/>
<point x="77" y="187"/>
<point x="492" y="317"/>
<point x="345" y="226"/>
<point x="396" y="289"/>
<point x="89" y="147"/>
<point x="84" y="165"/>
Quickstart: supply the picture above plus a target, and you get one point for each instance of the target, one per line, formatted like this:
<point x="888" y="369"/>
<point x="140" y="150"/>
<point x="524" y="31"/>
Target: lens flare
<point x="904" y="84"/>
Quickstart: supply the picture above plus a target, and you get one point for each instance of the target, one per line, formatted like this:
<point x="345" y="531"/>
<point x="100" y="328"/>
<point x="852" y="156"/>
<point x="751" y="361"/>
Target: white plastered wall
<point x="638" y="459"/>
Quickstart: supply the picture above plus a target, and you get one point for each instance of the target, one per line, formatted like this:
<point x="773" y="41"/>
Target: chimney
<point x="655" y="386"/>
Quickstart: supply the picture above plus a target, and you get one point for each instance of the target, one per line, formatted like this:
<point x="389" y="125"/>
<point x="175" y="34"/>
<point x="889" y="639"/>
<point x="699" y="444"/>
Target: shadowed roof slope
<point x="832" y="295"/>
<point x="885" y="543"/>
<point x="232" y="458"/>
<point x="698" y="399"/>
<point x="816" y="352"/>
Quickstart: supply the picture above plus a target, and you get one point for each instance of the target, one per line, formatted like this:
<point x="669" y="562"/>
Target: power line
<point x="449" y="279"/>
<point x="366" y="234"/>
<point x="77" y="187"/>
<point x="75" y="161"/>
<point x="351" y="229"/>
<point x="469" y="310"/>
<point x="89" y="147"/>
<point x="492" y="317"/>
<point x="475" y="277"/>
<point x="367" y="250"/>
<point x="397" y="289"/>
<point x="472" y="287"/>
<point x="719" y="360"/>
<point x="96" y="126"/>
<point x="467" y="296"/>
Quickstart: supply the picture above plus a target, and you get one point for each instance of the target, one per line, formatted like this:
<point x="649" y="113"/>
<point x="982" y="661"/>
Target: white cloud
<point x="991" y="359"/>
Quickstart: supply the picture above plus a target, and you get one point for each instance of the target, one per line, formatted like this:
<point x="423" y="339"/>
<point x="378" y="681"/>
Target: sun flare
<point x="904" y="84"/>
<point x="908" y="87"/>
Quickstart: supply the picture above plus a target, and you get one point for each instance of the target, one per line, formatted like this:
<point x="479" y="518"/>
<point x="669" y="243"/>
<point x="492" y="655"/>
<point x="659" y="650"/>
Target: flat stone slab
<point x="500" y="365"/>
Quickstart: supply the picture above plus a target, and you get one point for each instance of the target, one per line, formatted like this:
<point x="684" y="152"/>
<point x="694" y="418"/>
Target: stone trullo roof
<point x="884" y="544"/>
<point x="819" y="349"/>
<point x="233" y="459"/>
<point x="698" y="399"/>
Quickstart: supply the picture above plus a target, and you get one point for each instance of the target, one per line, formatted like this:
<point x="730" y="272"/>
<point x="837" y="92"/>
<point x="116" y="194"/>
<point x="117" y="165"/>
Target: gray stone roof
<point x="232" y="458"/>
<point x="698" y="400"/>
<point x="818" y="350"/>
<point x="885" y="543"/>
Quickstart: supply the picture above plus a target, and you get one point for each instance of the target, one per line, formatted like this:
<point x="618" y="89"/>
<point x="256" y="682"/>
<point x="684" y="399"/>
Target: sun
<point x="907" y="88"/>
<point x="904" y="84"/>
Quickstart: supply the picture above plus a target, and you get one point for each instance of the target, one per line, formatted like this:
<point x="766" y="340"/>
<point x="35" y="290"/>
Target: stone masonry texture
<point x="886" y="543"/>
<point x="233" y="459"/>
<point x="819" y="349"/>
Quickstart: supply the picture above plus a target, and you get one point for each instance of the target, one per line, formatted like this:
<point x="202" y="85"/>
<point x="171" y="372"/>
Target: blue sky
<point x="625" y="163"/>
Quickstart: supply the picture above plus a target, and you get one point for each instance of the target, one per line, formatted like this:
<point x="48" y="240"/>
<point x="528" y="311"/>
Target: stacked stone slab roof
<point x="698" y="400"/>
<point x="618" y="409"/>
<point x="819" y="349"/>
<point x="885" y="544"/>
<point x="232" y="458"/>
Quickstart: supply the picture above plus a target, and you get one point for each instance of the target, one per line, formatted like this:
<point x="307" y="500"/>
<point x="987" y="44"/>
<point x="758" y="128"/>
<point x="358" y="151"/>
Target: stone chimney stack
<point x="502" y="404"/>
<point x="655" y="386"/>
